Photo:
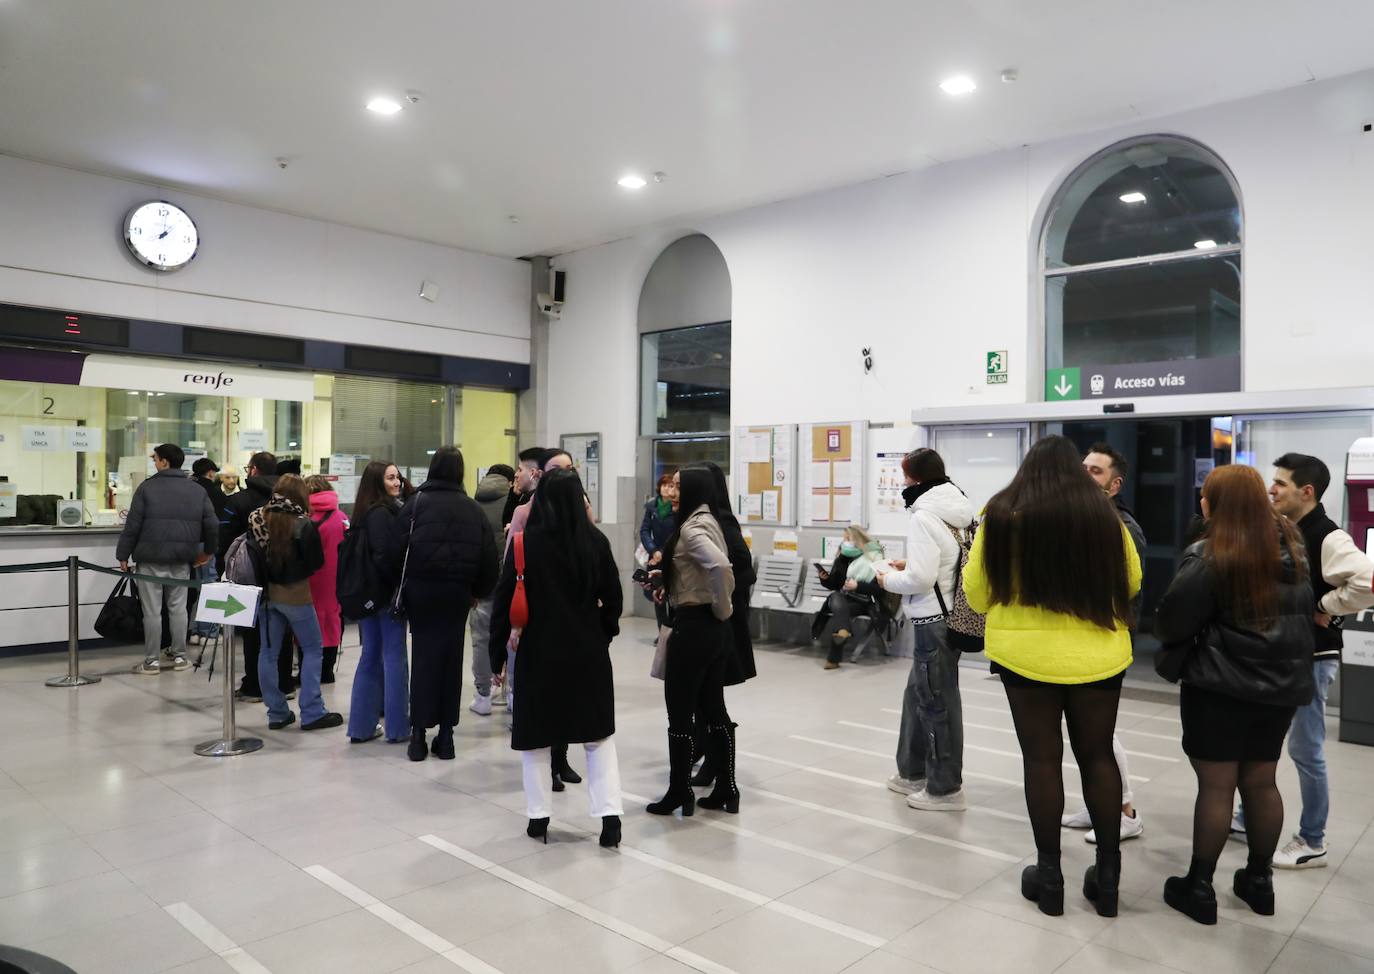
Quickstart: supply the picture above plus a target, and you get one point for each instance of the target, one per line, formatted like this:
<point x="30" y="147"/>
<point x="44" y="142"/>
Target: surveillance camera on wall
<point x="548" y="307"/>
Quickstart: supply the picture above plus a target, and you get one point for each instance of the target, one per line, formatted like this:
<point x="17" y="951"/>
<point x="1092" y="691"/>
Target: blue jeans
<point x="382" y="681"/>
<point x="931" y="741"/>
<point x="277" y="621"/>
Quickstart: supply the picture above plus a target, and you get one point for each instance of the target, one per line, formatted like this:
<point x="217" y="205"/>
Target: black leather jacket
<point x="1206" y="647"/>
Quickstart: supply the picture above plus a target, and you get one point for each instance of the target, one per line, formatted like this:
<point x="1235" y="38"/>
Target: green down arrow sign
<point x="229" y="606"/>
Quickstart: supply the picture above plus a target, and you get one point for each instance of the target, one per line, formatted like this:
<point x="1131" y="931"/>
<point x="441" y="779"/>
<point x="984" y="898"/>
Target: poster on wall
<point x="833" y="461"/>
<point x="886" y="510"/>
<point x="585" y="450"/>
<point x="765" y="474"/>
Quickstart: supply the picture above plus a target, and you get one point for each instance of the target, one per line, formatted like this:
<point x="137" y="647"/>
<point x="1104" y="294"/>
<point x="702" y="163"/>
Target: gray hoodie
<point x="932" y="553"/>
<point x="491" y="498"/>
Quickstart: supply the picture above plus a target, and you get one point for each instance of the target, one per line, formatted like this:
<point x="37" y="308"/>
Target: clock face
<point x="161" y="235"/>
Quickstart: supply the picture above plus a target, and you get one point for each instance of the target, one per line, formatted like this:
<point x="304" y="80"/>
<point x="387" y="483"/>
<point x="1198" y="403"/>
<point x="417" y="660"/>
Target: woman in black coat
<point x="445" y="555"/>
<point x="658" y="525"/>
<point x="1236" y="624"/>
<point x="563" y="663"/>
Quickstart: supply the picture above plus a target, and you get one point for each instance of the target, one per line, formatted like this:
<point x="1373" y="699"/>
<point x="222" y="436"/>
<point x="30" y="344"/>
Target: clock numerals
<point x="161" y="235"/>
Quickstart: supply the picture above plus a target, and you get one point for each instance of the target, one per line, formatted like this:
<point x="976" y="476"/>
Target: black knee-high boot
<point x="679" y="794"/>
<point x="722" y="748"/>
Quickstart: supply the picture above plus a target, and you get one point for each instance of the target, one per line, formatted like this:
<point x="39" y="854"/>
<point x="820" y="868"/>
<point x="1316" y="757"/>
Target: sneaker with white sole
<point x="1078" y="820"/>
<point x="905" y="786"/>
<point x="481" y="705"/>
<point x="149" y="667"/>
<point x="498" y="697"/>
<point x="1237" y="833"/>
<point x="1131" y="828"/>
<point x="179" y="663"/>
<point x="1297" y="854"/>
<point x="926" y="802"/>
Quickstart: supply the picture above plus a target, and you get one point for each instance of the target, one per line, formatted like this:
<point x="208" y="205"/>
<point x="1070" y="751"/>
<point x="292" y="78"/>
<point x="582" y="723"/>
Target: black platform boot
<point x="1255" y="885"/>
<point x="725" y="795"/>
<point x="417" y="750"/>
<point x="1043" y="883"/>
<point x="443" y="743"/>
<point x="679" y="794"/>
<point x="1101" y="882"/>
<point x="1193" y="894"/>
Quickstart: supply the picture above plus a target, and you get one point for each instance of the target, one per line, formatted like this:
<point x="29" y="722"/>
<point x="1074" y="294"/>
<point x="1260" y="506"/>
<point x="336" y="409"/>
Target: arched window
<point x="1141" y="263"/>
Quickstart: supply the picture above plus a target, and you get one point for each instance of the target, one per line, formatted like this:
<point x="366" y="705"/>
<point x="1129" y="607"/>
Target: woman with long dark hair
<point x="1236" y="624"/>
<point x="698" y="584"/>
<point x="563" y="663"/>
<point x="380" y="684"/>
<point x="1055" y="570"/>
<point x="444" y="555"/>
<point x="291" y="549"/>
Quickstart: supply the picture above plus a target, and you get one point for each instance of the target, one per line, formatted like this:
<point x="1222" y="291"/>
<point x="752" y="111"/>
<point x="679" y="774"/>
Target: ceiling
<point x="534" y="108"/>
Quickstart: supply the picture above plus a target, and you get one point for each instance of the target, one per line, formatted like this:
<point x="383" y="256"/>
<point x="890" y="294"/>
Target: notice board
<point x="832" y="465"/>
<point x="765" y="474"/>
<point x="887" y="513"/>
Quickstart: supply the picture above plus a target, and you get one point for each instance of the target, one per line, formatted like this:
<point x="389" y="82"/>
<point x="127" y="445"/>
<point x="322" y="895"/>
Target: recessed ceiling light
<point x="384" y="106"/>
<point x="960" y="85"/>
<point x="1205" y="244"/>
<point x="1132" y="197"/>
<point x="631" y="182"/>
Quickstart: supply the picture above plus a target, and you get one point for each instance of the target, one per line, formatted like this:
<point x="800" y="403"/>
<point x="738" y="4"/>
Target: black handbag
<point x="121" y="617"/>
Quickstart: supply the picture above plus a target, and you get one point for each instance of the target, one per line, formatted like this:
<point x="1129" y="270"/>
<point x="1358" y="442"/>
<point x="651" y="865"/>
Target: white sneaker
<point x="905" y="786"/>
<point x="481" y="705"/>
<point x="1131" y="828"/>
<point x="1078" y="820"/>
<point x="498" y="697"/>
<point x="1237" y="833"/>
<point x="926" y="802"/>
<point x="179" y="663"/>
<point x="1297" y="854"/>
<point x="149" y="667"/>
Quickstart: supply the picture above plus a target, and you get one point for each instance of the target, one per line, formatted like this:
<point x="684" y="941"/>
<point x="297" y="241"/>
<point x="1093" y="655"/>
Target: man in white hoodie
<point x="930" y="750"/>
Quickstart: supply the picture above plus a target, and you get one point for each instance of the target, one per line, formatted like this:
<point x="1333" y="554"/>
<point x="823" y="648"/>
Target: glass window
<point x="685" y="380"/>
<point x="380" y="419"/>
<point x="1261" y="441"/>
<point x="1163" y="216"/>
<point x="980" y="460"/>
<point x="484" y="428"/>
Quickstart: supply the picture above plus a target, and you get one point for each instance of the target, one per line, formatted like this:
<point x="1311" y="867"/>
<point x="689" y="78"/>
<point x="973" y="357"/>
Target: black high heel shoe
<point x="538" y="829"/>
<point x="1043" y="884"/>
<point x="610" y="832"/>
<point x="1102" y="881"/>
<point x="679" y="794"/>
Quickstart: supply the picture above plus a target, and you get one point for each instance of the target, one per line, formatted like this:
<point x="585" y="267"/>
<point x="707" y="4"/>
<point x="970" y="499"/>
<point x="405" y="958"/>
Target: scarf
<point x="910" y="494"/>
<point x="665" y="508"/>
<point x="257" y="521"/>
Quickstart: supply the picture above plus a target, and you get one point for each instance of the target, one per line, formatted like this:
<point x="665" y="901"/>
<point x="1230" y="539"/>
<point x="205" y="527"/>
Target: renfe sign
<point x="195" y="378"/>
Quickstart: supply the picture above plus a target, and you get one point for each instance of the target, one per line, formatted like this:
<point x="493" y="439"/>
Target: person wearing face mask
<point x="380" y="684"/>
<point x="852" y="582"/>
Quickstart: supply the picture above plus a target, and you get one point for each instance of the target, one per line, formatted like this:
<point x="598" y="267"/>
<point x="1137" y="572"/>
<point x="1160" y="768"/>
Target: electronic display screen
<point x="67" y="328"/>
<point x="214" y="343"/>
<point x="391" y="361"/>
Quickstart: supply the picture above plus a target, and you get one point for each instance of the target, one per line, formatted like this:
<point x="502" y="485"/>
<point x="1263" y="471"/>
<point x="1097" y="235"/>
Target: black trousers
<point x="694" y="679"/>
<point x="438" y="618"/>
<point x="252" y="646"/>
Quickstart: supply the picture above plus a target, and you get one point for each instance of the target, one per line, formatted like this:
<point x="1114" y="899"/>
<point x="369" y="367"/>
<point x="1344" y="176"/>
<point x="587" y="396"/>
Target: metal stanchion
<point x="231" y="743"/>
<point x="73" y="677"/>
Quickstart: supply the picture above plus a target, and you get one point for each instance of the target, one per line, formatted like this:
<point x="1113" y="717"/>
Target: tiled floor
<point x="122" y="851"/>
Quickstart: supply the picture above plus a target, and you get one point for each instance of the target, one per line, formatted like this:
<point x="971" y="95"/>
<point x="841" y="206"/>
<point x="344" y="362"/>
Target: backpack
<point x="966" y="627"/>
<point x="360" y="589"/>
<point x="243" y="562"/>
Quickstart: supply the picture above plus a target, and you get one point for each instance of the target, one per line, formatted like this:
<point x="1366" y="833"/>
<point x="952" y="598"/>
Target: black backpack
<point x="360" y="590"/>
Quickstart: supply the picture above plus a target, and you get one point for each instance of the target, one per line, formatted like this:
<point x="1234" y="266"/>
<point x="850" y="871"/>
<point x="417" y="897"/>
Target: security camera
<point x="868" y="360"/>
<point x="548" y="307"/>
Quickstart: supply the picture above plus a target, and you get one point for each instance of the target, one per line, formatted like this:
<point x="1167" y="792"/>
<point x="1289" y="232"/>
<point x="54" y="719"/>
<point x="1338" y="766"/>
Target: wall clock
<point x="161" y="235"/>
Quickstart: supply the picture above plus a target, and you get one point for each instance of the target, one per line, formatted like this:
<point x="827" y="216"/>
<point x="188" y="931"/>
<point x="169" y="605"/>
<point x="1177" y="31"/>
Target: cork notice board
<point x="832" y="471"/>
<point x="764" y="480"/>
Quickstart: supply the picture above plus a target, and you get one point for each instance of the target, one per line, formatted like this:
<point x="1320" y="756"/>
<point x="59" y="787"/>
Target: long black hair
<point x="372" y="489"/>
<point x="559" y="510"/>
<point x="1052" y="538"/>
<point x="696" y="487"/>
<point x="725" y="511"/>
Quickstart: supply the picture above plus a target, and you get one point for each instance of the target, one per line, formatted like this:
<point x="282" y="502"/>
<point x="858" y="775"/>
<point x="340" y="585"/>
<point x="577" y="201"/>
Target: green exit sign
<point x="1062" y="384"/>
<point x="997" y="368"/>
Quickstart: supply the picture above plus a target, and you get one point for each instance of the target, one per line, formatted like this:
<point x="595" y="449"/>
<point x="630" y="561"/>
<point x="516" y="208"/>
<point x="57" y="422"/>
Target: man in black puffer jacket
<point x="445" y="554"/>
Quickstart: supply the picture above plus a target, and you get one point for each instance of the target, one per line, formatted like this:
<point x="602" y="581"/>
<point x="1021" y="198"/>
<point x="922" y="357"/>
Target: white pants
<point x="603" y="780"/>
<point x="1120" y="752"/>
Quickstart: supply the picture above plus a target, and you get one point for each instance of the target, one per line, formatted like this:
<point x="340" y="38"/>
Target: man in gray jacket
<point x="171" y="526"/>
<point x="491" y="496"/>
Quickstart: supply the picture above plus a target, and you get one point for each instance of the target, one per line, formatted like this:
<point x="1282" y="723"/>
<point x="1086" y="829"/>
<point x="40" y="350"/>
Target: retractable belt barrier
<point x="230" y="743"/>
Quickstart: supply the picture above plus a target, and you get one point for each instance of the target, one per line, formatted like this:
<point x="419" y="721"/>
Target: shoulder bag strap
<point x="519" y="543"/>
<point x="405" y="562"/>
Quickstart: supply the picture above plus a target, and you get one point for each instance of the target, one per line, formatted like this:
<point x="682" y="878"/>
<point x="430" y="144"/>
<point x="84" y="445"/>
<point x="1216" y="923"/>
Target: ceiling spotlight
<point x="1010" y="75"/>
<point x="1132" y="197"/>
<point x="631" y="182"/>
<point x="1205" y="244"/>
<point x="384" y="106"/>
<point x="960" y="85"/>
<point x="660" y="176"/>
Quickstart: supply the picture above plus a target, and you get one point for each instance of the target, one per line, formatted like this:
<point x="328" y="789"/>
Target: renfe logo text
<point x="213" y="381"/>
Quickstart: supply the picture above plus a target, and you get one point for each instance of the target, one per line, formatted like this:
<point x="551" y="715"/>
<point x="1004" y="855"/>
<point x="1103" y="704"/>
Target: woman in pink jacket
<point x="331" y="523"/>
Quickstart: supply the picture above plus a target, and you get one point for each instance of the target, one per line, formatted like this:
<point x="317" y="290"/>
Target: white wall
<point x="257" y="270"/>
<point x="933" y="269"/>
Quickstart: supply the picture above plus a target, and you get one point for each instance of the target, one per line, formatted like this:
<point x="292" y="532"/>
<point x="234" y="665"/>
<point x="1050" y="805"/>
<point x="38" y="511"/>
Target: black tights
<point x="1217" y="782"/>
<point x="1090" y="710"/>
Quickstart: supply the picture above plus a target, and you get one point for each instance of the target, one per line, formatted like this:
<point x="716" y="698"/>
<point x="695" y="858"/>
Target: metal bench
<point x="778" y="579"/>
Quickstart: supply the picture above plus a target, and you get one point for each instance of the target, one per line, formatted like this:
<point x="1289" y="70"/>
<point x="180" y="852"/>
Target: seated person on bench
<point x="852" y="589"/>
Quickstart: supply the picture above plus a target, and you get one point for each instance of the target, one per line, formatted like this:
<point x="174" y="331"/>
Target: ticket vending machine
<point x="1357" y="658"/>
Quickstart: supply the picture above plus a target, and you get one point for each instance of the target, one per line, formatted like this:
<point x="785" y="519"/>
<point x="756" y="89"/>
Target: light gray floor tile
<point x="962" y="939"/>
<point x="545" y="943"/>
<point x="760" y="868"/>
<point x="670" y="906"/>
<point x="762" y="940"/>
<point x="330" y="837"/>
<point x="866" y="902"/>
<point x="1339" y="923"/>
<point x="256" y="910"/>
<point x="26" y="822"/>
<point x="27" y="918"/>
<point x="1164" y="936"/>
<point x="397" y="869"/>
<point x="212" y="868"/>
<point x="148" y="941"/>
<point x="882" y="962"/>
<point x="1304" y="957"/>
<point x="47" y="865"/>
<point x="1095" y="959"/>
<point x="208" y="965"/>
<point x="580" y="869"/>
<point x="160" y="838"/>
<point x="350" y="943"/>
<point x="470" y="907"/>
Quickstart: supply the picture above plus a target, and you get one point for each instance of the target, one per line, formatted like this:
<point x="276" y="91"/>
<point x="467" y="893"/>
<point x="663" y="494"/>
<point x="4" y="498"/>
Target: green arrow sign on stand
<point x="1062" y="384"/>
<point x="230" y="606"/>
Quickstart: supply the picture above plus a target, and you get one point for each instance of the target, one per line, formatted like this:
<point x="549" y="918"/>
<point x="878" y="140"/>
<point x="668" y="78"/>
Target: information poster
<point x="585" y="450"/>
<point x="252" y="441"/>
<point x="887" y="513"/>
<point x="833" y="459"/>
<point x="765" y="474"/>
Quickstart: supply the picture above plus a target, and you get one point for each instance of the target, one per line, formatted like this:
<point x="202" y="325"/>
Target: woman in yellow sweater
<point x="1054" y="570"/>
